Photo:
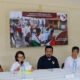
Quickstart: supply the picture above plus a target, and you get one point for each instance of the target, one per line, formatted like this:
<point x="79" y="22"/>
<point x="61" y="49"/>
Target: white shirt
<point x="27" y="29"/>
<point x="16" y="65"/>
<point x="69" y="63"/>
<point x="11" y="30"/>
<point x="38" y="38"/>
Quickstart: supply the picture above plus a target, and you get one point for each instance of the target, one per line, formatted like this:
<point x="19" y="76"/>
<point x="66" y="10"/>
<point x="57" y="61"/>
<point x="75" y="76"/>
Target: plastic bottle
<point x="74" y="66"/>
<point x="23" y="72"/>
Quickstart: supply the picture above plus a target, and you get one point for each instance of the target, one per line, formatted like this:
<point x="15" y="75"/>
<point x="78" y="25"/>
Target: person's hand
<point x="18" y="68"/>
<point x="32" y="69"/>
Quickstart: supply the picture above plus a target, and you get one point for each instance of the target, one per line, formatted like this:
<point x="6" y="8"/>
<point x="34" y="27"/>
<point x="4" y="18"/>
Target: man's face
<point x="48" y="52"/>
<point x="75" y="53"/>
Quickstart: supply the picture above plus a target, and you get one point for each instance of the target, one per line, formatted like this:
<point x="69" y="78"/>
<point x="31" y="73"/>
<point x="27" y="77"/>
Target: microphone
<point x="22" y="63"/>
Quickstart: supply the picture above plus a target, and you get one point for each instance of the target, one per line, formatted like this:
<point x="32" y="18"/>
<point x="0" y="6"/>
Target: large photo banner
<point x="28" y="29"/>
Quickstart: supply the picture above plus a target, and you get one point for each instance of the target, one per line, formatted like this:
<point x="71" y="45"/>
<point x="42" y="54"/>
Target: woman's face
<point x="20" y="57"/>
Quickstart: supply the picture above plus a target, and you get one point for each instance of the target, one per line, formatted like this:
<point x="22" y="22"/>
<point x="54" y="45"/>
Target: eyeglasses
<point x="21" y="57"/>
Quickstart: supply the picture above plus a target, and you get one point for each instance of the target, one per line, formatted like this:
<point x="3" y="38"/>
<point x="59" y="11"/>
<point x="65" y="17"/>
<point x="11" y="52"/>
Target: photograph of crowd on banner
<point x="29" y="29"/>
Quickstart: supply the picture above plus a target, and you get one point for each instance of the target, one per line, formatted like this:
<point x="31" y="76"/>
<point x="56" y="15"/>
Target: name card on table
<point x="69" y="76"/>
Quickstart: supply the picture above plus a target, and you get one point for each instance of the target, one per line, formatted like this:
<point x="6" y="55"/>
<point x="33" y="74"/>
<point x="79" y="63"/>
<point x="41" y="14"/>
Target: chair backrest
<point x="62" y="65"/>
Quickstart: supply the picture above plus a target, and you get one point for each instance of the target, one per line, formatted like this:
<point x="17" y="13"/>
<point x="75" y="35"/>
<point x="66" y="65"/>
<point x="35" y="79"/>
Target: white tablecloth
<point x="49" y="74"/>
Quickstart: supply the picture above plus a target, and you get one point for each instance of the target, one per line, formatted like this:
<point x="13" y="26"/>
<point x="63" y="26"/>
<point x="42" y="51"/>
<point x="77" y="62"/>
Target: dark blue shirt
<point x="47" y="63"/>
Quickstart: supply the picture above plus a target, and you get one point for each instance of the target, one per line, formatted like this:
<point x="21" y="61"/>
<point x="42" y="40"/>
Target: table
<point x="46" y="74"/>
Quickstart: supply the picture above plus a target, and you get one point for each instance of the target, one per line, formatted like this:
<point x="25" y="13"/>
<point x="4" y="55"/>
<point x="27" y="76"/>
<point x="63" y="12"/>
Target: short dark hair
<point x="48" y="47"/>
<point x="75" y="48"/>
<point x="17" y="53"/>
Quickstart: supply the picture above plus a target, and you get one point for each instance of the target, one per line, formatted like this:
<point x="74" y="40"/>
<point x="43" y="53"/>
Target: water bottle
<point x="74" y="66"/>
<point x="23" y="72"/>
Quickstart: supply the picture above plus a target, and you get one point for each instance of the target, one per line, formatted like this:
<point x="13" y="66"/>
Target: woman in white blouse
<point x="74" y="57"/>
<point x="19" y="57"/>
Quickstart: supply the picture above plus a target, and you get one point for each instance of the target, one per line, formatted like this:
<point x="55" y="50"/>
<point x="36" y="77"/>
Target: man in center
<point x="48" y="61"/>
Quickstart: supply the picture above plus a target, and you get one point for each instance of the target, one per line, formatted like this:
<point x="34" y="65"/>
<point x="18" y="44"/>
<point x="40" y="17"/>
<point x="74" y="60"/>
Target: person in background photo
<point x="37" y="38"/>
<point x="27" y="28"/>
<point x="1" y="70"/>
<point x="50" y="36"/>
<point x="48" y="61"/>
<point x="19" y="57"/>
<point x="28" y="39"/>
<point x="12" y="38"/>
<point x="74" y="57"/>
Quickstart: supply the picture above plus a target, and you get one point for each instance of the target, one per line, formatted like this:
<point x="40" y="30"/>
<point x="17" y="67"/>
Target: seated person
<point x="19" y="57"/>
<point x="1" y="70"/>
<point x="37" y="39"/>
<point x="48" y="61"/>
<point x="69" y="61"/>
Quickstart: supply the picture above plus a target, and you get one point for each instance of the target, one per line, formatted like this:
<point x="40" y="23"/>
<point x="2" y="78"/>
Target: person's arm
<point x="39" y="64"/>
<point x="32" y="69"/>
<point x="15" y="67"/>
<point x="66" y="64"/>
<point x="1" y="70"/>
<point x="57" y="64"/>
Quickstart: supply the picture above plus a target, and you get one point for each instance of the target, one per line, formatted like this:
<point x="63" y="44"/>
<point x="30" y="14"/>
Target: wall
<point x="32" y="54"/>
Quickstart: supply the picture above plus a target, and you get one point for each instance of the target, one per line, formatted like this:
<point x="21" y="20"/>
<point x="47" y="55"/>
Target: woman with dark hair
<point x="19" y="57"/>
